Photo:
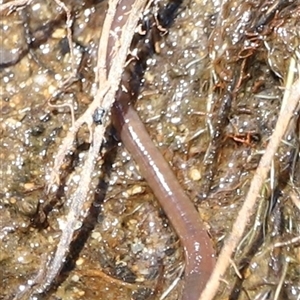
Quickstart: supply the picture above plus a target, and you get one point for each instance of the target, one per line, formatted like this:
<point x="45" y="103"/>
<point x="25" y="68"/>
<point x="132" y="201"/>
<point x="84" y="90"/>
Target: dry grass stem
<point x="105" y="95"/>
<point x="101" y="72"/>
<point x="69" y="23"/>
<point x="76" y="212"/>
<point x="288" y="107"/>
<point x="13" y="5"/>
<point x="172" y="286"/>
<point x="281" y="281"/>
<point x="295" y="199"/>
<point x="292" y="241"/>
<point x="94" y="273"/>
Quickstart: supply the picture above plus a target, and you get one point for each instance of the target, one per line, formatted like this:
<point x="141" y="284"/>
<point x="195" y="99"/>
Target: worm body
<point x="199" y="253"/>
<point x="198" y="249"/>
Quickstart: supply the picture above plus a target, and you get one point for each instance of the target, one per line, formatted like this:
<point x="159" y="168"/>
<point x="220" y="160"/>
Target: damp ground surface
<point x="210" y="99"/>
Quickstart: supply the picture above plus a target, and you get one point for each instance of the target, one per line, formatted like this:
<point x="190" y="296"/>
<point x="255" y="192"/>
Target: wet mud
<point x="209" y="98"/>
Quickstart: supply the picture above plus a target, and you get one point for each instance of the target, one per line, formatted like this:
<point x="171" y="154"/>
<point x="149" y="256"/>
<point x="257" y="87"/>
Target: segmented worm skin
<point x="199" y="253"/>
<point x="198" y="249"/>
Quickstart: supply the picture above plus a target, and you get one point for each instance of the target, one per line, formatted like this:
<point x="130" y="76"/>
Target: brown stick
<point x="104" y="98"/>
<point x="105" y="95"/>
<point x="287" y="109"/>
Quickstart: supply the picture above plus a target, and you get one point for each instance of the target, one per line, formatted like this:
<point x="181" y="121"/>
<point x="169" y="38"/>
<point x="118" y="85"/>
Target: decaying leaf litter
<point x="213" y="145"/>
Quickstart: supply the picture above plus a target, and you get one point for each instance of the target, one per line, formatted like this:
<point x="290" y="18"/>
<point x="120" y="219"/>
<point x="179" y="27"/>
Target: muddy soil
<point x="210" y="99"/>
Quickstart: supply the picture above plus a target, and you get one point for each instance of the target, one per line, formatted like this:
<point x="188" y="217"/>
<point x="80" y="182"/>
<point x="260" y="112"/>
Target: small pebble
<point x="75" y="278"/>
<point x="28" y="186"/>
<point x="137" y="189"/>
<point x="194" y="174"/>
<point x="96" y="235"/>
<point x="79" y="261"/>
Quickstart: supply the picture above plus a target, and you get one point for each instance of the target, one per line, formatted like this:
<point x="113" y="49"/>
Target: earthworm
<point x="198" y="248"/>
